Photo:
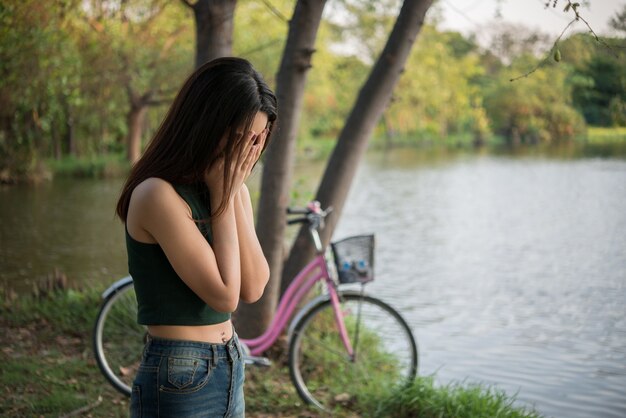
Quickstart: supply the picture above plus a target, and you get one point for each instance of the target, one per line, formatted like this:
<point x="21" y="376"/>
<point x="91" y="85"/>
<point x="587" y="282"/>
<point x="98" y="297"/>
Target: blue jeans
<point x="189" y="379"/>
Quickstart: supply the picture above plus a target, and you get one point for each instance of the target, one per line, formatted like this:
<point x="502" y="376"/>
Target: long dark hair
<point x="220" y="98"/>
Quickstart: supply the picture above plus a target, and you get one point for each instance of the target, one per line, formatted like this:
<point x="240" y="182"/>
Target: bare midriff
<point x="215" y="334"/>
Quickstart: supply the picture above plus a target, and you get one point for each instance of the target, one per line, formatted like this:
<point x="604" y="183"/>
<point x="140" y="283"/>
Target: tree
<point x="533" y="109"/>
<point x="442" y="100"/>
<point x="277" y="172"/>
<point x="214" y="28"/>
<point x="142" y="36"/>
<point x="353" y="139"/>
<point x="40" y="79"/>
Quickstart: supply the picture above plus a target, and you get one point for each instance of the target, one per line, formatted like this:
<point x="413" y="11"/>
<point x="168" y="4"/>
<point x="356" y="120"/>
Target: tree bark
<point x="136" y="118"/>
<point x="278" y="167"/>
<point x="354" y="137"/>
<point x="214" y="29"/>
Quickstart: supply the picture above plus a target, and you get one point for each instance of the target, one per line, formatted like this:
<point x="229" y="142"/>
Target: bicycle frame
<point x="296" y="291"/>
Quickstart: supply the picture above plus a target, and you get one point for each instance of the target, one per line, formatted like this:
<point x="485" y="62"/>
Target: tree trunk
<point x="214" y="29"/>
<point x="278" y="167"/>
<point x="70" y="137"/>
<point x="136" y="118"/>
<point x="353" y="139"/>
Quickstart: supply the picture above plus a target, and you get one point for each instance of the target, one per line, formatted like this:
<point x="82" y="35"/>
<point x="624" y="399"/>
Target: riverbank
<point x="49" y="370"/>
<point x="604" y="142"/>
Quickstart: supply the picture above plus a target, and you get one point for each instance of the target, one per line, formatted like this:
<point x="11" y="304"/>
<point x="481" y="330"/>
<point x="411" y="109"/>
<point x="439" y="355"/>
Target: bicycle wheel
<point x="385" y="352"/>
<point x="118" y="340"/>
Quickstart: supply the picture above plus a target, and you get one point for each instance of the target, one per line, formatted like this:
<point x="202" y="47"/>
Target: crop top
<point x="162" y="296"/>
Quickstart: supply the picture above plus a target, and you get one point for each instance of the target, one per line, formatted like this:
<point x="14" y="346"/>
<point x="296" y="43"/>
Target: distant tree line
<point x="85" y="78"/>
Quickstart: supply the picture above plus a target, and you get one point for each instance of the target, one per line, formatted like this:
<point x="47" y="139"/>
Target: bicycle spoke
<point x="324" y="375"/>
<point x="342" y="355"/>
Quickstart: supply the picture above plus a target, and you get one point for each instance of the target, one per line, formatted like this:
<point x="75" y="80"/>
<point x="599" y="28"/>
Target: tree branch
<point x="549" y="55"/>
<point x="188" y="3"/>
<point x="554" y="51"/>
<point x="274" y="10"/>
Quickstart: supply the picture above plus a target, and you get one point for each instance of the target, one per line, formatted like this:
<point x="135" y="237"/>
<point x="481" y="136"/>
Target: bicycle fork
<point x="341" y="325"/>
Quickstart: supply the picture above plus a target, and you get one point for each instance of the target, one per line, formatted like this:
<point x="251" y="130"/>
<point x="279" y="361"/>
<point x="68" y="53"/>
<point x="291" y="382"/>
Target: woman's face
<point x="260" y="122"/>
<point x="258" y="125"/>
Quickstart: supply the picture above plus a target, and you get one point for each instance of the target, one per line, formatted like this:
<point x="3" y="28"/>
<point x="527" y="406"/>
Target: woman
<point x="192" y="249"/>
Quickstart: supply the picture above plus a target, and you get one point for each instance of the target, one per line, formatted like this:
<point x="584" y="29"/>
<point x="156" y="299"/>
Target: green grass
<point x="423" y="399"/>
<point x="47" y="363"/>
<point x="314" y="149"/>
<point x="601" y="135"/>
<point x="70" y="311"/>
<point x="101" y="166"/>
<point x="49" y="369"/>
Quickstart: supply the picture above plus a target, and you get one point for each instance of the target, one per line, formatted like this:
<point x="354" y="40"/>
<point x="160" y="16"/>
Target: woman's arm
<point x="158" y="214"/>
<point x="254" y="268"/>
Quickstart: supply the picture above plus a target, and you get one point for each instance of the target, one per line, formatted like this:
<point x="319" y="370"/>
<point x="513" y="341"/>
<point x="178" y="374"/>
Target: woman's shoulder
<point x="154" y="191"/>
<point x="153" y="187"/>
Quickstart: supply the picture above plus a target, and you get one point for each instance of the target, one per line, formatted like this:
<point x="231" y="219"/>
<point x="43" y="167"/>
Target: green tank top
<point x="162" y="296"/>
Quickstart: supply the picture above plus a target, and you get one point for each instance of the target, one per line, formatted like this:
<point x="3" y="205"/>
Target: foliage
<point x="66" y="69"/>
<point x="39" y="73"/>
<point x="599" y="82"/>
<point x="533" y="109"/>
<point x="260" y="34"/>
<point x="69" y="71"/>
<point x="436" y="96"/>
<point x="423" y="399"/>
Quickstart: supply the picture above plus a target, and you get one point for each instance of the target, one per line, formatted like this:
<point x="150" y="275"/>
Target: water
<point x="510" y="270"/>
<point x="67" y="225"/>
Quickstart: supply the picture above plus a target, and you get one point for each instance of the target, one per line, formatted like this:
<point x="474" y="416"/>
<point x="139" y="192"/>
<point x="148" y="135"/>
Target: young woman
<point x="192" y="249"/>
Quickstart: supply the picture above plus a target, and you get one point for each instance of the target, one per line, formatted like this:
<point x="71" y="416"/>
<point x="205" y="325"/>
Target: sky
<point x="476" y="15"/>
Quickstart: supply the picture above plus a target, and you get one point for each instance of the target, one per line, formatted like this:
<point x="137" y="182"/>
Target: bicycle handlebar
<point x="297" y="211"/>
<point x="297" y="221"/>
<point x="314" y="218"/>
<point x="314" y="214"/>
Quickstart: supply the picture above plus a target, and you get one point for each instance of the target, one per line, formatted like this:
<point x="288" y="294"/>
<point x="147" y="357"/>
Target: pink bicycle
<point x="343" y="343"/>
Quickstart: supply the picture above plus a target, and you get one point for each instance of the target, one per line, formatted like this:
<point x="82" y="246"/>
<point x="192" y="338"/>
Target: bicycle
<point x="342" y="343"/>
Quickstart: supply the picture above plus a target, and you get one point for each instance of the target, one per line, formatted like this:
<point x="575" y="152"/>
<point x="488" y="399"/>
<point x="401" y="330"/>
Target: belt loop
<point x="232" y="349"/>
<point x="238" y="345"/>
<point x="235" y="341"/>
<point x="215" y="354"/>
<point x="146" y="345"/>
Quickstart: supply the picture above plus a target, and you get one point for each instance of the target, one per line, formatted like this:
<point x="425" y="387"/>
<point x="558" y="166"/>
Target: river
<point x="510" y="269"/>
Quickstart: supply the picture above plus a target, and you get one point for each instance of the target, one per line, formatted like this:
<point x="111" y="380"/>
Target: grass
<point x="600" y="135"/>
<point x="423" y="399"/>
<point x="99" y="166"/>
<point x="49" y="370"/>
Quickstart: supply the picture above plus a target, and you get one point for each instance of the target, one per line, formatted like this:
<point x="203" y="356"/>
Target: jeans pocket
<point x="180" y="371"/>
<point x="186" y="374"/>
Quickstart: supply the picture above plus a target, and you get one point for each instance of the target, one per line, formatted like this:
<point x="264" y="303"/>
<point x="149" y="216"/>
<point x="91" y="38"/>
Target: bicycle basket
<point x="354" y="258"/>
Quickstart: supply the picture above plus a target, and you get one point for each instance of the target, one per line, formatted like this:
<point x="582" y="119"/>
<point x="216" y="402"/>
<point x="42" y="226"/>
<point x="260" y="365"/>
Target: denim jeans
<point x="189" y="379"/>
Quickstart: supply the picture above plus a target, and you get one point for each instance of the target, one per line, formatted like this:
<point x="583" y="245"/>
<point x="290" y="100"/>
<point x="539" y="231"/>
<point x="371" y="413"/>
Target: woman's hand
<point x="241" y="165"/>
